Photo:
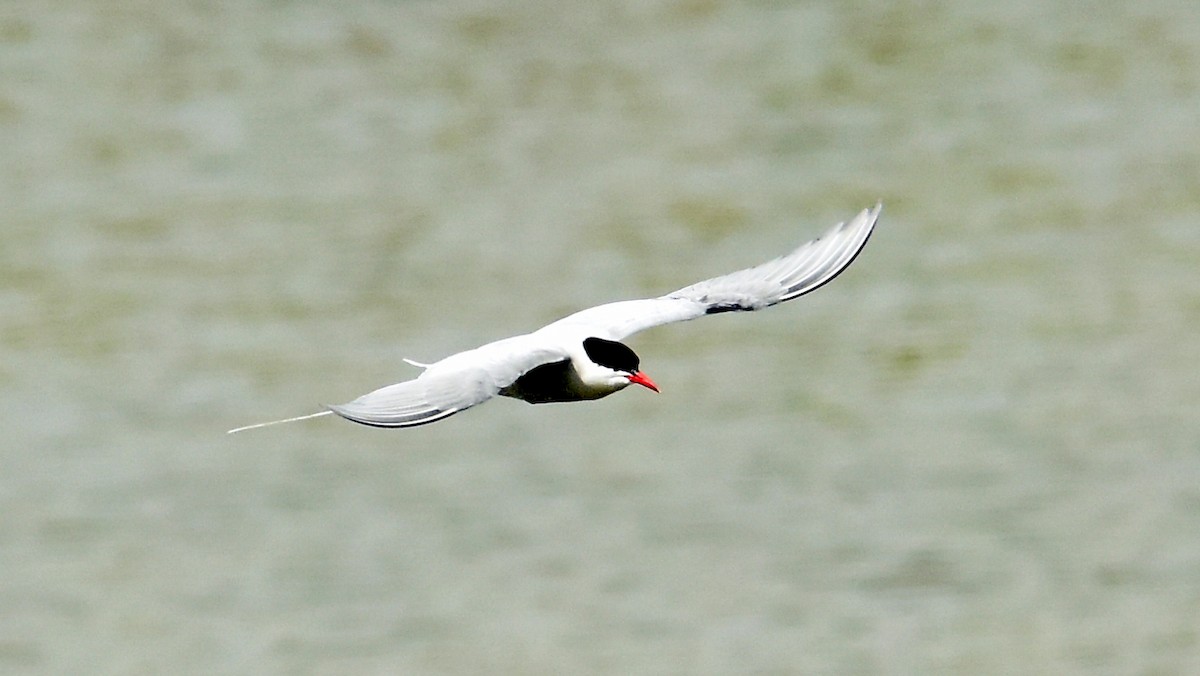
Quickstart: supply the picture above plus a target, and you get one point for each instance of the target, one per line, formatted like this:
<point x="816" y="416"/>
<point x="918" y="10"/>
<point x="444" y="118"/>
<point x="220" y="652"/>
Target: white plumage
<point x="577" y="357"/>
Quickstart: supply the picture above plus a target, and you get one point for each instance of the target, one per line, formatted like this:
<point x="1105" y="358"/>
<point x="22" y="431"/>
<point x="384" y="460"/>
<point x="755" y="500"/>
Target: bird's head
<point x="620" y="364"/>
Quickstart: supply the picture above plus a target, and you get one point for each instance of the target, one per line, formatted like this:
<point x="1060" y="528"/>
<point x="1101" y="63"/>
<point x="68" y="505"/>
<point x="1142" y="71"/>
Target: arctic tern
<point x="580" y="357"/>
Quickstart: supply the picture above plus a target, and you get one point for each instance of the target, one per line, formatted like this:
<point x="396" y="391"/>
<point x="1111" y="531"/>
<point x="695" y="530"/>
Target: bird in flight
<point x="580" y="357"/>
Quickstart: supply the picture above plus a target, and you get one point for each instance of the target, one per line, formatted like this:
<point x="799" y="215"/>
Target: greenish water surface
<point x="975" y="453"/>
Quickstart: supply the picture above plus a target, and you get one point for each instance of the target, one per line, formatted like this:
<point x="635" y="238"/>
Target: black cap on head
<point x="610" y="353"/>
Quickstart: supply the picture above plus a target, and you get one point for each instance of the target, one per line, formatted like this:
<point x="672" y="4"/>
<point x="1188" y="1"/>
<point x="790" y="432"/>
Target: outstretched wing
<point x="406" y="404"/>
<point x="453" y="384"/>
<point x="806" y="269"/>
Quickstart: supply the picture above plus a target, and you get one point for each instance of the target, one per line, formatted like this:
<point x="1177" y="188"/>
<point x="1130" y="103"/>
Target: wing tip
<point x="388" y="421"/>
<point x="865" y="218"/>
<point x="855" y="234"/>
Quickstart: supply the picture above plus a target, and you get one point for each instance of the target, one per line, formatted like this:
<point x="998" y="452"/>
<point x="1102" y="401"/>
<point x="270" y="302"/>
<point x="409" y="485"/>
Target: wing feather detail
<point x="451" y="385"/>
<point x="802" y="271"/>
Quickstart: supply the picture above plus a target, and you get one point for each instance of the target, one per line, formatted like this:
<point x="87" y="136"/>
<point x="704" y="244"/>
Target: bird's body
<point x="580" y="357"/>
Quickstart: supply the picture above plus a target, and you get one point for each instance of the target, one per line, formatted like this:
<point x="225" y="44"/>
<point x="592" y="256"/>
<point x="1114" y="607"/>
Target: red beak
<point x="643" y="380"/>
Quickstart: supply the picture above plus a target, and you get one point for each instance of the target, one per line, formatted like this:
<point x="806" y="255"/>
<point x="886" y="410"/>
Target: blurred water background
<point x="977" y="452"/>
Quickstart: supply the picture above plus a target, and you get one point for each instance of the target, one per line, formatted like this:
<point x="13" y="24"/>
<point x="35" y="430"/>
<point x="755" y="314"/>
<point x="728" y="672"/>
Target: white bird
<point x="579" y="357"/>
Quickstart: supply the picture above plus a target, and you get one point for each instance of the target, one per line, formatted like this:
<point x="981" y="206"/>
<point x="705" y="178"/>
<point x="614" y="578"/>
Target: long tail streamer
<point x="279" y="422"/>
